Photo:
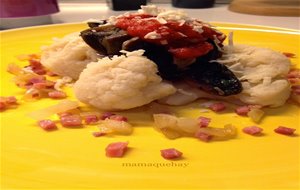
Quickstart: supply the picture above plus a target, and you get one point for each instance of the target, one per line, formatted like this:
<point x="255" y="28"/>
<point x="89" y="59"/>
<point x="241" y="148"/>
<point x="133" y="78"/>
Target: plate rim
<point x="77" y="24"/>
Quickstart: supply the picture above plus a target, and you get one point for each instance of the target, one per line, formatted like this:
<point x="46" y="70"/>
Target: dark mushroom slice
<point x="132" y="44"/>
<point x="106" y="39"/>
<point x="113" y="43"/>
<point x="164" y="61"/>
<point x="214" y="78"/>
<point x="159" y="55"/>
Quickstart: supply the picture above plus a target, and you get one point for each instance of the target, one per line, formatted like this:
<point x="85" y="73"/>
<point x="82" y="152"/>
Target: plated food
<point x="178" y="59"/>
<point x="156" y="55"/>
<point x="75" y="156"/>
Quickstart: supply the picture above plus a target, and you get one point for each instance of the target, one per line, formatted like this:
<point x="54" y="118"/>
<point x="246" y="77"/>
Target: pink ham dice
<point x="242" y="110"/>
<point x="91" y="119"/>
<point x="56" y="94"/>
<point x="71" y="120"/>
<point x="37" y="67"/>
<point x="2" y="106"/>
<point x="118" y="118"/>
<point x="217" y="107"/>
<point x="285" y="130"/>
<point x="204" y="121"/>
<point x="253" y="130"/>
<point x="98" y="134"/>
<point x="7" y="102"/>
<point x="47" y="125"/>
<point x="170" y="153"/>
<point x="11" y="100"/>
<point x="116" y="149"/>
<point x="203" y="136"/>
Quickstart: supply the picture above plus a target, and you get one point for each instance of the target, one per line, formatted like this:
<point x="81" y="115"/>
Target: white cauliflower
<point x="273" y="94"/>
<point x="258" y="63"/>
<point x="261" y="70"/>
<point x="263" y="73"/>
<point x="68" y="56"/>
<point x="121" y="83"/>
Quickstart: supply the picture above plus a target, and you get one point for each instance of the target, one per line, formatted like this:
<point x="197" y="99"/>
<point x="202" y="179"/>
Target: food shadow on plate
<point x="285" y="109"/>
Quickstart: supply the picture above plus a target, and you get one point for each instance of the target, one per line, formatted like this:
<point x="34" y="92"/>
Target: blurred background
<point x="275" y="13"/>
<point x="150" y="1"/>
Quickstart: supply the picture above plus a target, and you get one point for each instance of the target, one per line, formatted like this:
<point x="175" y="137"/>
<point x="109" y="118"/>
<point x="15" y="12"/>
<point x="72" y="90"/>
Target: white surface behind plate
<point x="76" y="12"/>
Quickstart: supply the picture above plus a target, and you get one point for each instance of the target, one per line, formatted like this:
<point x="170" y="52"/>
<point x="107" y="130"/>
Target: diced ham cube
<point x="116" y="149"/>
<point x="295" y="73"/>
<point x="296" y="89"/>
<point x="7" y="102"/>
<point x="71" y="120"/>
<point x="40" y="85"/>
<point x="170" y="153"/>
<point x="106" y="115"/>
<point x="294" y="80"/>
<point x="2" y="106"/>
<point x="47" y="125"/>
<point x="91" y="119"/>
<point x="204" y="121"/>
<point x="118" y="118"/>
<point x="253" y="130"/>
<point x="37" y="67"/>
<point x="285" y="130"/>
<point x="11" y="100"/>
<point x="217" y="107"/>
<point x="242" y="110"/>
<point x="98" y="134"/>
<point x="35" y="63"/>
<point x="57" y="94"/>
<point x="203" y="136"/>
<point x="39" y="71"/>
<point x="288" y="54"/>
<point x="38" y="79"/>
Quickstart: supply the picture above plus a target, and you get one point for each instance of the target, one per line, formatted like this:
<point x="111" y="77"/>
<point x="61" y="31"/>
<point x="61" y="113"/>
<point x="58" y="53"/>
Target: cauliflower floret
<point x="273" y="94"/>
<point x="68" y="56"/>
<point x="263" y="72"/>
<point x="121" y="83"/>
<point x="261" y="62"/>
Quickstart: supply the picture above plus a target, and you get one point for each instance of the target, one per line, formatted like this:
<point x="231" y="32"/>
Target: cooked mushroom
<point x="106" y="39"/>
<point x="214" y="78"/>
